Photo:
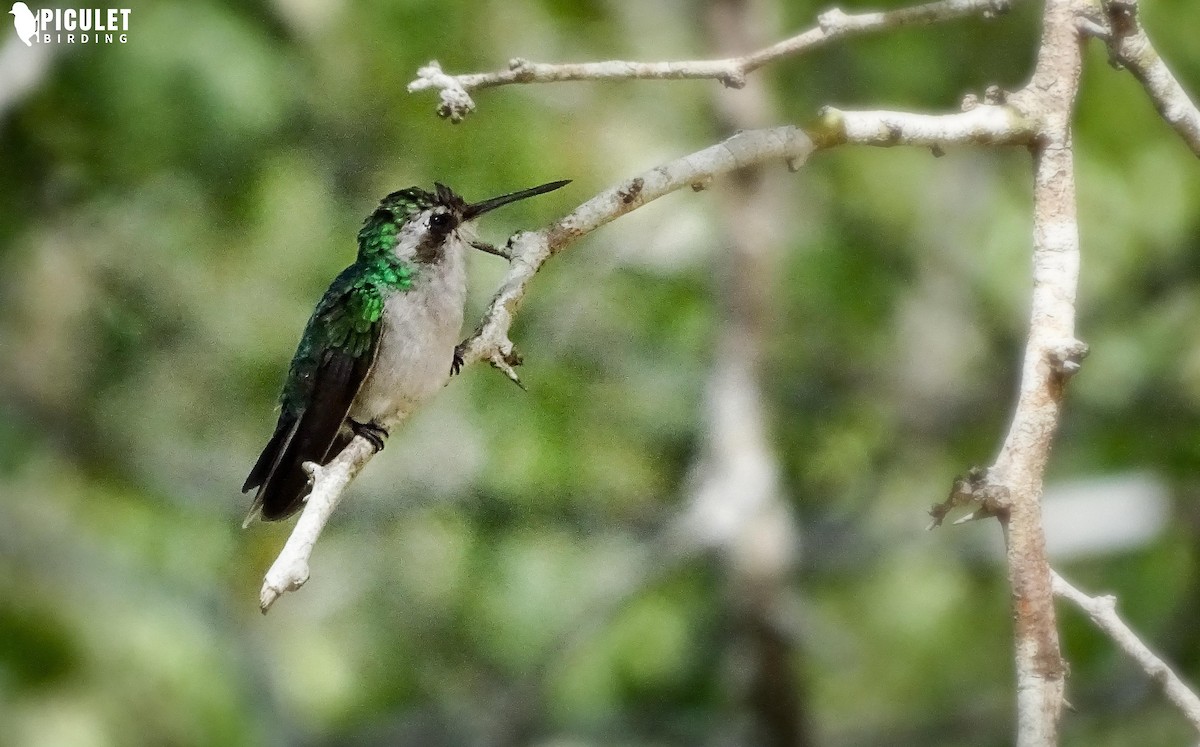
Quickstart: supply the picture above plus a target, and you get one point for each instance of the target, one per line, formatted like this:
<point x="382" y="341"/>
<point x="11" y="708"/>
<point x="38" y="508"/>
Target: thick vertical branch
<point x="1051" y="346"/>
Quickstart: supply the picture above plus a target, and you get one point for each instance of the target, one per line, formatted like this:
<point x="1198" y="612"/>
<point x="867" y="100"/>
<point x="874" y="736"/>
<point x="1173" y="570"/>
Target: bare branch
<point x="528" y="251"/>
<point x="1130" y="47"/>
<point x="456" y="103"/>
<point x="988" y="124"/>
<point x="1019" y="468"/>
<point x="1103" y="612"/>
<point x="290" y="570"/>
<point x="1037" y="116"/>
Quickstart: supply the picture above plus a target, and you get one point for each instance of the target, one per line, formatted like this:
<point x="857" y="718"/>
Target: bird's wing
<point x="333" y="360"/>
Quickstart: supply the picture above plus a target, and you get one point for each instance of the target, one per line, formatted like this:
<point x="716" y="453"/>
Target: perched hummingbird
<point x="380" y="342"/>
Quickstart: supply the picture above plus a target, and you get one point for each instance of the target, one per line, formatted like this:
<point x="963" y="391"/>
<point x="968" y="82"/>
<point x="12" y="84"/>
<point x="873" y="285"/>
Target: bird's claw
<point x="456" y="362"/>
<point x="375" y="434"/>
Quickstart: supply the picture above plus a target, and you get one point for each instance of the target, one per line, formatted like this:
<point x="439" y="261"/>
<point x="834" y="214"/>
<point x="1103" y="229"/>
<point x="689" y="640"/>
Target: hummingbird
<point x="381" y="340"/>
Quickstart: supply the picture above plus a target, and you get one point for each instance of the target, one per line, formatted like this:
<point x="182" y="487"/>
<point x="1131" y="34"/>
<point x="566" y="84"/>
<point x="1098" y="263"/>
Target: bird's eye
<point x="441" y="221"/>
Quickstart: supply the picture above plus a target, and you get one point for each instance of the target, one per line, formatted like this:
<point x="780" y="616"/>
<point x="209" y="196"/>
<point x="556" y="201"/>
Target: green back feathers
<point x="348" y="324"/>
<point x="346" y="321"/>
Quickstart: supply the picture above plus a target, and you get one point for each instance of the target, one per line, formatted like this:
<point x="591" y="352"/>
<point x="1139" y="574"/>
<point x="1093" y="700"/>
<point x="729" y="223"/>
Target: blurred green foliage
<point x="171" y="208"/>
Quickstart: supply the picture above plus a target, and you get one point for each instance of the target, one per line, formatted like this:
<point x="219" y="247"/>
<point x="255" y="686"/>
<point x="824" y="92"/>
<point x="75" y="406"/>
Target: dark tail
<point x="281" y="481"/>
<point x="279" y="472"/>
<point x="314" y="435"/>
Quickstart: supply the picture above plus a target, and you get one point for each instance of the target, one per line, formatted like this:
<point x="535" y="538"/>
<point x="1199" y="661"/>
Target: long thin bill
<point x="479" y="208"/>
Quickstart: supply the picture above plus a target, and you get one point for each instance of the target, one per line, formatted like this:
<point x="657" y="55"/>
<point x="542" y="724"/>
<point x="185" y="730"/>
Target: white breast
<point x="421" y="326"/>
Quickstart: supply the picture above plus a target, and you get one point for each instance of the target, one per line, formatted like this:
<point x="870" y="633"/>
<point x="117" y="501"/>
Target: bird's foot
<point x="456" y="362"/>
<point x="375" y="434"/>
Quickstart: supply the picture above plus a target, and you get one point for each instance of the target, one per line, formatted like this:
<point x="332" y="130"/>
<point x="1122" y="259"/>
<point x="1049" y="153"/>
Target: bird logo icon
<point x="24" y="21"/>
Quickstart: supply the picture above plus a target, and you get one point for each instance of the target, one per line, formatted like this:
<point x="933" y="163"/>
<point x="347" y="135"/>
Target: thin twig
<point x="1130" y="47"/>
<point x="455" y="101"/>
<point x="1103" y="612"/>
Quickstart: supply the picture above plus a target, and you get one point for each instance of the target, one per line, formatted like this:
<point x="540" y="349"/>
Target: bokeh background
<point x="704" y="524"/>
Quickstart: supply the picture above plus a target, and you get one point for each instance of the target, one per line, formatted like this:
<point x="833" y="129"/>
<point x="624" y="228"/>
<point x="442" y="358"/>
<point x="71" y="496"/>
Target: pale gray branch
<point x="986" y="124"/>
<point x="992" y="124"/>
<point x="1103" y="612"/>
<point x="530" y="250"/>
<point x="1130" y="47"/>
<point x="1017" y="473"/>
<point x="290" y="570"/>
<point x="456" y="103"/>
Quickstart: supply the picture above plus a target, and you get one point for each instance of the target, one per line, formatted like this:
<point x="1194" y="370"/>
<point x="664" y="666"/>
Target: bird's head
<point x="20" y="7"/>
<point x="423" y="226"/>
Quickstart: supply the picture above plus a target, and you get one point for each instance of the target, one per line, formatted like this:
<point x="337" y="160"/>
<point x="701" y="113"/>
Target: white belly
<point x="421" y="326"/>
